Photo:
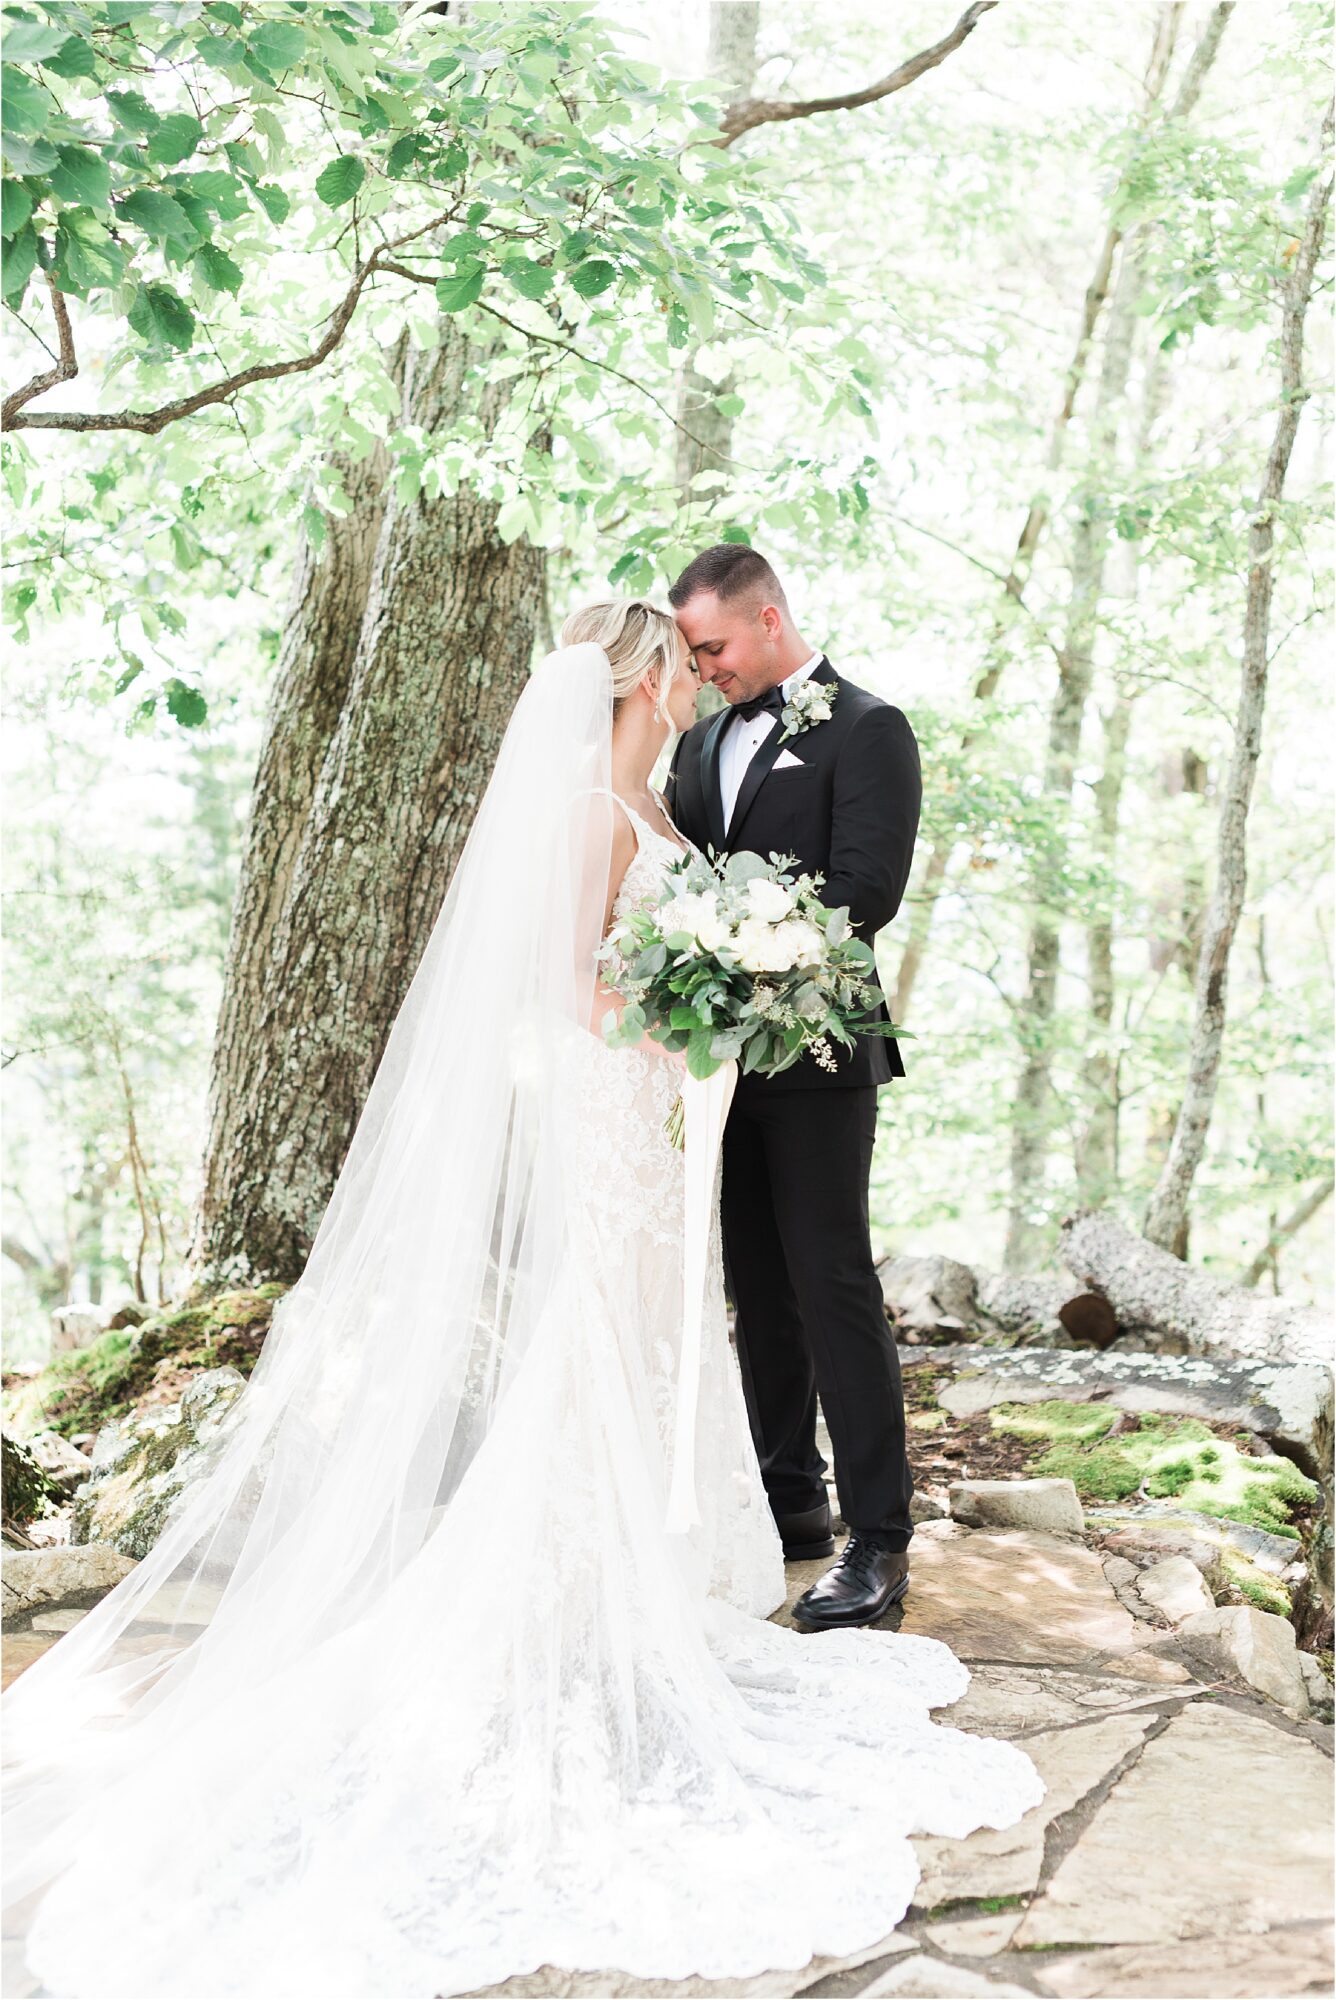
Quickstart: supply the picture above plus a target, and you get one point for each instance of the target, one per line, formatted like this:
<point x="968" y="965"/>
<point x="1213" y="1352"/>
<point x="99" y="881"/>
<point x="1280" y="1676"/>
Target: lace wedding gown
<point x="566" y="1737"/>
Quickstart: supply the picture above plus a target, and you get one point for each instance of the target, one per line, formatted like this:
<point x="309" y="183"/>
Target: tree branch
<point x="150" y="422"/>
<point x="748" y="112"/>
<point x="66" y="368"/>
<point x="1283" y="1231"/>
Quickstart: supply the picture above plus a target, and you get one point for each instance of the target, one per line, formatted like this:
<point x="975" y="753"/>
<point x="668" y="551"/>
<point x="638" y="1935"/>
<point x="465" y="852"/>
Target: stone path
<point x="1184" y="1844"/>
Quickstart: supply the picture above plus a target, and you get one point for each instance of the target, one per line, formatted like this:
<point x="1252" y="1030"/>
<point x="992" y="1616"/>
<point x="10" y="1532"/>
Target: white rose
<point x="755" y="947"/>
<point x="804" y="941"/>
<point x="713" y="933"/>
<point x="768" y="900"/>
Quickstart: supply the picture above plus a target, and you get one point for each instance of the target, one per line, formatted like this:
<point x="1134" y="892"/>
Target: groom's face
<point x="735" y="645"/>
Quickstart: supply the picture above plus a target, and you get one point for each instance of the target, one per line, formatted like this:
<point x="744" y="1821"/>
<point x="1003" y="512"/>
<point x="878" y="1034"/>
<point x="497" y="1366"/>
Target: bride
<point x="418" y="1688"/>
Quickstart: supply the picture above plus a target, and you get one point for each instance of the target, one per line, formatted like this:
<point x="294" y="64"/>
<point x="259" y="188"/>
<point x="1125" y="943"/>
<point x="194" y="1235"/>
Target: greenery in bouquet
<point x="741" y="961"/>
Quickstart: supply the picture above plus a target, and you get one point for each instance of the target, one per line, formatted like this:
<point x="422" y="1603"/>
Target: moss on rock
<point x="87" y="1387"/>
<point x="1161" y="1458"/>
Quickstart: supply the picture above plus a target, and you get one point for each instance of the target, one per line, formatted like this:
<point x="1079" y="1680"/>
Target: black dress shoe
<point x="807" y="1537"/>
<point x="866" y="1581"/>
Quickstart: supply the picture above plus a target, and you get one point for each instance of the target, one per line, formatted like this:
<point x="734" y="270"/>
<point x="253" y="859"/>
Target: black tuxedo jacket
<point x="849" y="810"/>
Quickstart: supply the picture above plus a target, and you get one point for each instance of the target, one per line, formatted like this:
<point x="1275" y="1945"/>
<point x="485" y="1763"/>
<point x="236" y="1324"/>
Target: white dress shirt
<point x="742" y="739"/>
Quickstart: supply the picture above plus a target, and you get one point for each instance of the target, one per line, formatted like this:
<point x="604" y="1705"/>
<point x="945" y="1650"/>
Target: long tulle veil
<point x="386" y="1362"/>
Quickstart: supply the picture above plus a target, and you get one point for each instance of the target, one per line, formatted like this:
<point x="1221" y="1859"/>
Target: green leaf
<point x="273" y="199"/>
<point x="403" y="153"/>
<point x="20" y="257"/>
<point x="340" y="180"/>
<point x="464" y="289"/>
<point x="224" y="195"/>
<point x="26" y="108"/>
<point x="623" y="566"/>
<point x="159" y="216"/>
<point x="186" y="704"/>
<point x="532" y="281"/>
<point x="277" y="44"/>
<point x="131" y="110"/>
<point x="133" y="669"/>
<point x="219" y="272"/>
<point x="594" y="277"/>
<point x="82" y="178"/>
<point x="223" y="10"/>
<point x="86" y="257"/>
<point x="31" y="41"/>
<point x="159" y="315"/>
<point x="15" y="207"/>
<point x="175" y="139"/>
<point x="75" y="57"/>
<point x="700" y="1062"/>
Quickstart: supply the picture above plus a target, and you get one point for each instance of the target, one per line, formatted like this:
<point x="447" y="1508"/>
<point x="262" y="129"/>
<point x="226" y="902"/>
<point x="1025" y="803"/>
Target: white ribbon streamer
<point x="705" y="1108"/>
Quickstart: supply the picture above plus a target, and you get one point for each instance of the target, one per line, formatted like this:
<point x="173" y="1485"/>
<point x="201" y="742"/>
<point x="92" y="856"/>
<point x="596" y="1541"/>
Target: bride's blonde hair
<point x="635" y="635"/>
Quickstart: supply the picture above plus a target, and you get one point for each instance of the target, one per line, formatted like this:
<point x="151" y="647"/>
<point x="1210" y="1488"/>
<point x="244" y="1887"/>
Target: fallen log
<point x="1147" y="1286"/>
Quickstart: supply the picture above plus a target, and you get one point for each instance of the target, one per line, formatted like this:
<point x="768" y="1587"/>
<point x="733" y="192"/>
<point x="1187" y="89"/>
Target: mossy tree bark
<point x="403" y="655"/>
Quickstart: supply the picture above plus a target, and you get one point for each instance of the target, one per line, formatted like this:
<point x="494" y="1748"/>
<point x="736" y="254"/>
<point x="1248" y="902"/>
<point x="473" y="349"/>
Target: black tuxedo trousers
<point x="810" y="1318"/>
<point x="798" y="1147"/>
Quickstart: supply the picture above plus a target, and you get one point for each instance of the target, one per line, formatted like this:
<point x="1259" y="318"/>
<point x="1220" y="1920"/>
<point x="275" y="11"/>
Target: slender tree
<point x="1167" y="1210"/>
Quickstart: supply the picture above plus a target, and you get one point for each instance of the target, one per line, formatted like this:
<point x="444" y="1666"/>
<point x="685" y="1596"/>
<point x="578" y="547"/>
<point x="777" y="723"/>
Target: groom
<point x="843" y="795"/>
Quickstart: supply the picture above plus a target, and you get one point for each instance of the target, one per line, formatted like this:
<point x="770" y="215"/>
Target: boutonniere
<point x="810" y="703"/>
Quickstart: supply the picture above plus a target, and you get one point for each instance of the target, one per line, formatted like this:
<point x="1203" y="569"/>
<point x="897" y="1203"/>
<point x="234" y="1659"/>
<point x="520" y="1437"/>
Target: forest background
<point x="981" y="323"/>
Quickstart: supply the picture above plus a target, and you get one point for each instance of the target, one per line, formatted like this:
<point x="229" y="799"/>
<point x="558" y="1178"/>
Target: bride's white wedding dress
<point x="559" y="1735"/>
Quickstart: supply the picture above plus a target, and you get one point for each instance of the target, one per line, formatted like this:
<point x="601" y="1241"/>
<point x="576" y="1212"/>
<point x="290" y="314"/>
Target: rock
<point x="1049" y="1506"/>
<point x="58" y="1456"/>
<point x="1205" y="1539"/>
<point x="1013" y="1595"/>
<point x="924" y="1978"/>
<point x="817" y="1976"/>
<point x="1222" y="1828"/>
<point x="34" y="1579"/>
<point x="143" y="1463"/>
<point x="133" y="1313"/>
<point x="1289" y="1403"/>
<point x="1234" y="1968"/>
<point x="927" y="1507"/>
<point x="77" y="1326"/>
<point x="1256" y="1646"/>
<point x="1319" y="1687"/>
<point x="1175" y="1588"/>
<point x="1025" y="1305"/>
<point x="1007" y="1862"/>
<point x="931" y="1295"/>
<point x="1013" y="1701"/>
<point x="64" y="1620"/>
<point x="974" y="1937"/>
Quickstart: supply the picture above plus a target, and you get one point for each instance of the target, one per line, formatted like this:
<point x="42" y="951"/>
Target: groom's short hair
<point x="730" y="570"/>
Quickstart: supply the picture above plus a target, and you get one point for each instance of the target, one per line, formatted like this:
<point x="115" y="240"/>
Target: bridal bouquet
<point x="742" y="961"/>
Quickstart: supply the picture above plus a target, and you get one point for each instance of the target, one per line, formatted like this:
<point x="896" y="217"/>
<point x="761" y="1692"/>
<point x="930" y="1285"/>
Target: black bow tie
<point x="772" y="700"/>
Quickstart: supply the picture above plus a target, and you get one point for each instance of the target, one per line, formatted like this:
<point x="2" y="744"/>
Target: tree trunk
<point x="705" y="439"/>
<point x="1149" y="1286"/>
<point x="402" y="661"/>
<point x="1026" y="1230"/>
<point x="1167" y="1210"/>
<point x="1097" y="1144"/>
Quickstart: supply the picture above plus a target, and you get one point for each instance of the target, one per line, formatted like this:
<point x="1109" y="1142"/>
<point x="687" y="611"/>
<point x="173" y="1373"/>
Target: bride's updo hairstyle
<point x="635" y="635"/>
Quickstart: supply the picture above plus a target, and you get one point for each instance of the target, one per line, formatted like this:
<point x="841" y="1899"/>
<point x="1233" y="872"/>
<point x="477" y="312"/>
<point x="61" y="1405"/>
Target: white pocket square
<point x="786" y="761"/>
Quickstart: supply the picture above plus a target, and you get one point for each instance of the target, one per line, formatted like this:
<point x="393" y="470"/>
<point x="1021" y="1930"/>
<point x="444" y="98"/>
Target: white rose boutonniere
<point x="810" y="703"/>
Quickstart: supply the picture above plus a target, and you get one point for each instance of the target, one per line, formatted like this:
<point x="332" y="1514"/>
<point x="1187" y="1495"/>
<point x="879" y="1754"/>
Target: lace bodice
<point x="656" y="851"/>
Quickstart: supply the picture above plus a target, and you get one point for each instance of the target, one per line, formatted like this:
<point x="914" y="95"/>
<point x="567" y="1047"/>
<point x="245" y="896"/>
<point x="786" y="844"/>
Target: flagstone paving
<point x="1183" y="1847"/>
